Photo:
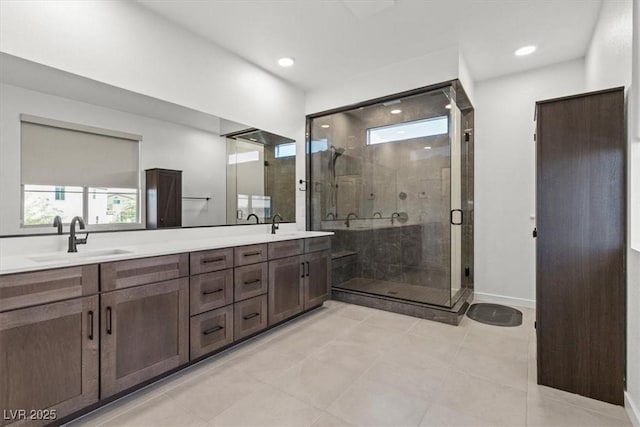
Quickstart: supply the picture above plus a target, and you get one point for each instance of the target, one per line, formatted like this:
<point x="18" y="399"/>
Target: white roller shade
<point x="59" y="153"/>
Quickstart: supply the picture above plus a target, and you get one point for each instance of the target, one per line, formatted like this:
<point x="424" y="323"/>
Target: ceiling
<point x="334" y="39"/>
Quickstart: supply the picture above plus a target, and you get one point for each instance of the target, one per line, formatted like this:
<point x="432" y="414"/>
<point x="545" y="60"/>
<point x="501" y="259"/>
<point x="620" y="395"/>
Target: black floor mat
<point x="494" y="314"/>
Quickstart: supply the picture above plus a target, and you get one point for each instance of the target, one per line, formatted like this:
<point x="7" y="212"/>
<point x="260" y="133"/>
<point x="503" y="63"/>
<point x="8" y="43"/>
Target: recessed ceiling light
<point x="325" y="126"/>
<point x="525" y="50"/>
<point x="253" y="139"/>
<point x="396" y="111"/>
<point x="448" y="106"/>
<point x="427" y="148"/>
<point x="286" y="62"/>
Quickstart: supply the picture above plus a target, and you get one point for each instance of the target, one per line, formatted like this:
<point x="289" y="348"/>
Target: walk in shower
<point x="393" y="179"/>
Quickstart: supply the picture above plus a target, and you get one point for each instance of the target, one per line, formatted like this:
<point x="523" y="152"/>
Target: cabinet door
<point x="144" y="333"/>
<point x="169" y="199"/>
<point x="49" y="358"/>
<point x="286" y="288"/>
<point x="317" y="278"/>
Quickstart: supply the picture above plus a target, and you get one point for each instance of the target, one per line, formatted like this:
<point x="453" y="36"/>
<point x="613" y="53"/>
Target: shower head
<point x="337" y="151"/>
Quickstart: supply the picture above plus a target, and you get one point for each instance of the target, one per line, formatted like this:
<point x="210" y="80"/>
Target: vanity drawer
<point x="316" y="244"/>
<point x="286" y="248"/>
<point x="210" y="290"/>
<point x="124" y="274"/>
<point x="251" y="254"/>
<point x="211" y="330"/>
<point x="214" y="260"/>
<point x="250" y="316"/>
<point x="251" y="281"/>
<point x="39" y="287"/>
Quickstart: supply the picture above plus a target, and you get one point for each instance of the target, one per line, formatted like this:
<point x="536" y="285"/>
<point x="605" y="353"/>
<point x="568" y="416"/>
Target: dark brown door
<point x="144" y="333"/>
<point x="286" y="288"/>
<point x="316" y="289"/>
<point x="580" y="296"/>
<point x="49" y="358"/>
<point x="169" y="199"/>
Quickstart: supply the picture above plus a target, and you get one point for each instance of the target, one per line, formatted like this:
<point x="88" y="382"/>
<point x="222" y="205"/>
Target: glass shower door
<point x="456" y="215"/>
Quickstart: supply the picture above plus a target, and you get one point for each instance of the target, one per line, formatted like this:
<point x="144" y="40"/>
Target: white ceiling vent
<point x="366" y="8"/>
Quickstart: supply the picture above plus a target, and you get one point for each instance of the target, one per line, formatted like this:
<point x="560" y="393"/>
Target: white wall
<point x="123" y="44"/>
<point x="434" y="67"/>
<point x="201" y="155"/>
<point x="505" y="177"/>
<point x="608" y="59"/>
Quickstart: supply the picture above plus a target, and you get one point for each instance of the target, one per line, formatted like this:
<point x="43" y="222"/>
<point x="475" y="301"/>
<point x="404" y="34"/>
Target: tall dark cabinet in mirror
<point x="164" y="198"/>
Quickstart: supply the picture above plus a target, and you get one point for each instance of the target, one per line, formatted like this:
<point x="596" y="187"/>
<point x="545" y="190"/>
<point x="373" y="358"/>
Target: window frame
<point x="137" y="225"/>
<point x="399" y="124"/>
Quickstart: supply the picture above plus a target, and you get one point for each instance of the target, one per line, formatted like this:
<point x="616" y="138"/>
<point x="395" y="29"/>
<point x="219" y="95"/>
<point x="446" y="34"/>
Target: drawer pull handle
<point x="252" y="281"/>
<point x="216" y="259"/>
<point x="212" y="330"/>
<point x="109" y="328"/>
<point x="212" y="292"/>
<point x="302" y="265"/>
<point x="90" y="316"/>
<point x="250" y="316"/>
<point x="253" y="253"/>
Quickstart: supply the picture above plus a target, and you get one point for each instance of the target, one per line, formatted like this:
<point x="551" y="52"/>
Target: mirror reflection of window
<point x="102" y="186"/>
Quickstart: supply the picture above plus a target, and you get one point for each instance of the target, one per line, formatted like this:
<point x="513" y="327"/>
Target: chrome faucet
<point x="73" y="240"/>
<point x="275" y="225"/>
<point x="347" y="222"/>
<point x="57" y="222"/>
<point x="256" y="216"/>
<point x="377" y="213"/>
<point x="332" y="215"/>
<point x="393" y="215"/>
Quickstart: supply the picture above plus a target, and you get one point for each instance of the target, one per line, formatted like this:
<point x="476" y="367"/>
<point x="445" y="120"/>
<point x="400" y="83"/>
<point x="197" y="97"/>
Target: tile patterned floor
<point x="345" y="365"/>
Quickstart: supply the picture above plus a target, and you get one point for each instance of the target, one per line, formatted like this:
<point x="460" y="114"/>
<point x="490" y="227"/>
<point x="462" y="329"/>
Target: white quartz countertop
<point x="97" y="254"/>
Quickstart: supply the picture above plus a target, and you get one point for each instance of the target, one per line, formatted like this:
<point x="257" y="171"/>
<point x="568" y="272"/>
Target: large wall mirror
<point x="71" y="146"/>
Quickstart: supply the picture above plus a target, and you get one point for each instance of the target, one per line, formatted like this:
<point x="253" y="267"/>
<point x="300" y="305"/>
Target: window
<point x="254" y="204"/>
<point x="285" y="150"/>
<point x="244" y="157"/>
<point x="75" y="170"/>
<point x="42" y="203"/>
<point x="408" y="130"/>
<point x="318" y="145"/>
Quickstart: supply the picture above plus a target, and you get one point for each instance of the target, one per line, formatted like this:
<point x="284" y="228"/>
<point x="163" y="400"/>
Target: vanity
<point x="79" y="332"/>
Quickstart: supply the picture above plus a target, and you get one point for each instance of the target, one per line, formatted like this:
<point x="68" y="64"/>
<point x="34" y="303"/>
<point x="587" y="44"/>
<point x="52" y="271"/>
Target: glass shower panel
<point x="456" y="213"/>
<point x="383" y="184"/>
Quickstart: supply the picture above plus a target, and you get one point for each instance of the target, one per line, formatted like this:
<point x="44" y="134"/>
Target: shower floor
<point x="405" y="291"/>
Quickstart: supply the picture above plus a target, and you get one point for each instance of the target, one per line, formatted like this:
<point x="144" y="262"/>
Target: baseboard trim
<point x="500" y="299"/>
<point x="632" y="410"/>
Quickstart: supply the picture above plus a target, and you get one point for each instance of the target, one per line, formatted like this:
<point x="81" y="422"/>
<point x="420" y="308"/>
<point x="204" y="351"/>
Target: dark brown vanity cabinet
<point x="317" y="278"/>
<point x="286" y="288"/>
<point x="71" y="337"/>
<point x="144" y="312"/>
<point x="144" y="333"/>
<point x="211" y="293"/>
<point x="48" y="352"/>
<point x="298" y="282"/>
<point x="164" y="198"/>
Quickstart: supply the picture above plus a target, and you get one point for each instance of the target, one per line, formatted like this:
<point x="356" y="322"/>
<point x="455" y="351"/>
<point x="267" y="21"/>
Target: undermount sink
<point x="68" y="257"/>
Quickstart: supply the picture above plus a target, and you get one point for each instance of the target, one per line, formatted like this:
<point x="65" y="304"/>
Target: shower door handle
<point x="451" y="216"/>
